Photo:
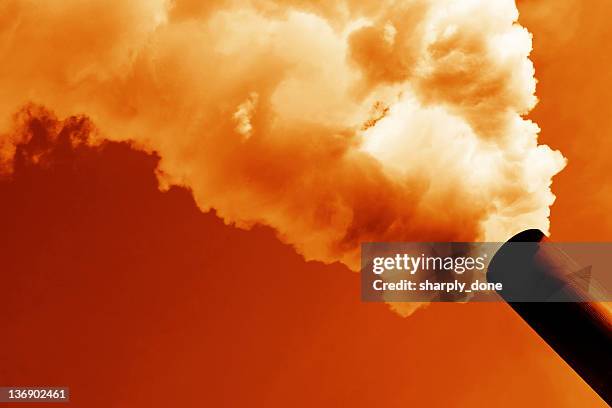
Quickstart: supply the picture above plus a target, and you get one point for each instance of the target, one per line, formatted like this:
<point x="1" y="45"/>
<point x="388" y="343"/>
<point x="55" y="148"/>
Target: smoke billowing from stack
<point x="332" y="122"/>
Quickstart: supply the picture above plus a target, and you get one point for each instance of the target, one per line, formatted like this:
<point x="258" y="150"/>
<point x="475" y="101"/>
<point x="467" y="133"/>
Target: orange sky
<point x="572" y="58"/>
<point x="112" y="288"/>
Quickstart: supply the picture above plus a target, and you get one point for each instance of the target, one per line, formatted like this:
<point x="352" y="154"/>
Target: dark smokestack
<point x="572" y="323"/>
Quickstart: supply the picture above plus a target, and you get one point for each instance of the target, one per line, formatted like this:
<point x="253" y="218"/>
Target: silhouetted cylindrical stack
<point x="569" y="320"/>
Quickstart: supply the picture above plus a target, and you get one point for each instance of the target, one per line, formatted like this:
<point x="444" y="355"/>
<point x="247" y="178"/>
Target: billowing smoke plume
<point x="333" y="122"/>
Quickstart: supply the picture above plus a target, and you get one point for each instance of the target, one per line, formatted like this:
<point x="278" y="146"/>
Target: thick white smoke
<point x="332" y="122"/>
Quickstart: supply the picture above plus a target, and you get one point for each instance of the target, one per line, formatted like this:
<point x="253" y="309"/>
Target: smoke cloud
<point x="332" y="122"/>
